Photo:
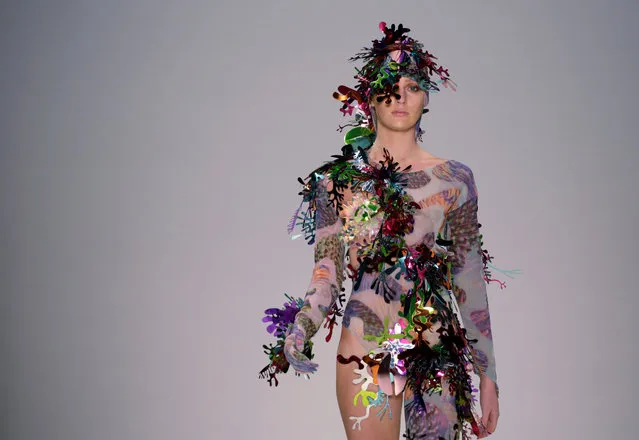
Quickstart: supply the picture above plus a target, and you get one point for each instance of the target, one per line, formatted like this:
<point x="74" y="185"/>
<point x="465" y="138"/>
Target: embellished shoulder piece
<point x="315" y="191"/>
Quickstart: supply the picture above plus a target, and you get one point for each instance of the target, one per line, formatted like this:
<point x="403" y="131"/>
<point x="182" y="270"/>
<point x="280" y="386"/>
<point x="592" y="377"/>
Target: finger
<point x="485" y="418"/>
<point x="483" y="432"/>
<point x="492" y="422"/>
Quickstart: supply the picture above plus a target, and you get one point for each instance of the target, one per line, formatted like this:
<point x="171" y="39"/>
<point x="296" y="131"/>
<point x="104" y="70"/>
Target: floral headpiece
<point x="394" y="56"/>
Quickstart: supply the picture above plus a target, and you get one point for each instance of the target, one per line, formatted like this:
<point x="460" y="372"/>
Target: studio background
<point x="149" y="164"/>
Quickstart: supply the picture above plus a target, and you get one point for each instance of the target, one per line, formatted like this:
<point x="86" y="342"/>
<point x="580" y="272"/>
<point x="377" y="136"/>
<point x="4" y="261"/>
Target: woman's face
<point x="401" y="114"/>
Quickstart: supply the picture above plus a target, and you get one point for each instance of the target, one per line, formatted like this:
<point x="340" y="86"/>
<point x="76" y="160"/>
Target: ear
<point x="426" y="99"/>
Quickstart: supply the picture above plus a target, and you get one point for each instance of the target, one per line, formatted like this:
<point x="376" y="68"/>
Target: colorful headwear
<point x="386" y="61"/>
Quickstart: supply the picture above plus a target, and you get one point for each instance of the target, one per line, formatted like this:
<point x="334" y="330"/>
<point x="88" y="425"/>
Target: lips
<point x="399" y="113"/>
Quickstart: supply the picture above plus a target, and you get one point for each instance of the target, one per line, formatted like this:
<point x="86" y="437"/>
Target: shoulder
<point x="335" y="166"/>
<point x="460" y="175"/>
<point x="347" y="155"/>
<point x="457" y="170"/>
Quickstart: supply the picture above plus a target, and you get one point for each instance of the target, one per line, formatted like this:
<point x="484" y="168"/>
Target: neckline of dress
<point x="421" y="170"/>
<point x="412" y="171"/>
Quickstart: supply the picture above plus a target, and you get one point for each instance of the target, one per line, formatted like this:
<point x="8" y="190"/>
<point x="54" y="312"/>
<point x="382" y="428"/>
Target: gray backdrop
<point x="150" y="152"/>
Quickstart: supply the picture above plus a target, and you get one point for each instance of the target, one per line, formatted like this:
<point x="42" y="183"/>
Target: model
<point x="403" y="225"/>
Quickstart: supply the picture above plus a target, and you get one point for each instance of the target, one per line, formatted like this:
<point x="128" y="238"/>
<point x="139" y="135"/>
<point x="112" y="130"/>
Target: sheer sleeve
<point x="328" y="271"/>
<point x="469" y="284"/>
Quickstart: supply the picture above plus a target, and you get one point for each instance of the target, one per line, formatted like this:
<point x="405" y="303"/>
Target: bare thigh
<point x="384" y="418"/>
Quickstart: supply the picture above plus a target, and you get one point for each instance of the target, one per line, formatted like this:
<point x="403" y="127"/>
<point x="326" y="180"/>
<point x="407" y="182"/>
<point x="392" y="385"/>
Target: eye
<point x="414" y="88"/>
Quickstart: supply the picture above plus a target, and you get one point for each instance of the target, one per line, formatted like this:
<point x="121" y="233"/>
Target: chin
<point x="404" y="127"/>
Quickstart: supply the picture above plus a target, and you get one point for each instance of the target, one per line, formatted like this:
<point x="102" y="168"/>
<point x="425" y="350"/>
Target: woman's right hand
<point x="293" y="350"/>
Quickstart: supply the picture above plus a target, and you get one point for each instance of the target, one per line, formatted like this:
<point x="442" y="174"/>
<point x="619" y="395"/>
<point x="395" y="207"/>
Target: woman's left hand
<point x="489" y="403"/>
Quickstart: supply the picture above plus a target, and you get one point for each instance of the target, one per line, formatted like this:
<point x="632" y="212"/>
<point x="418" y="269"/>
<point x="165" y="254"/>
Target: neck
<point x="401" y="145"/>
